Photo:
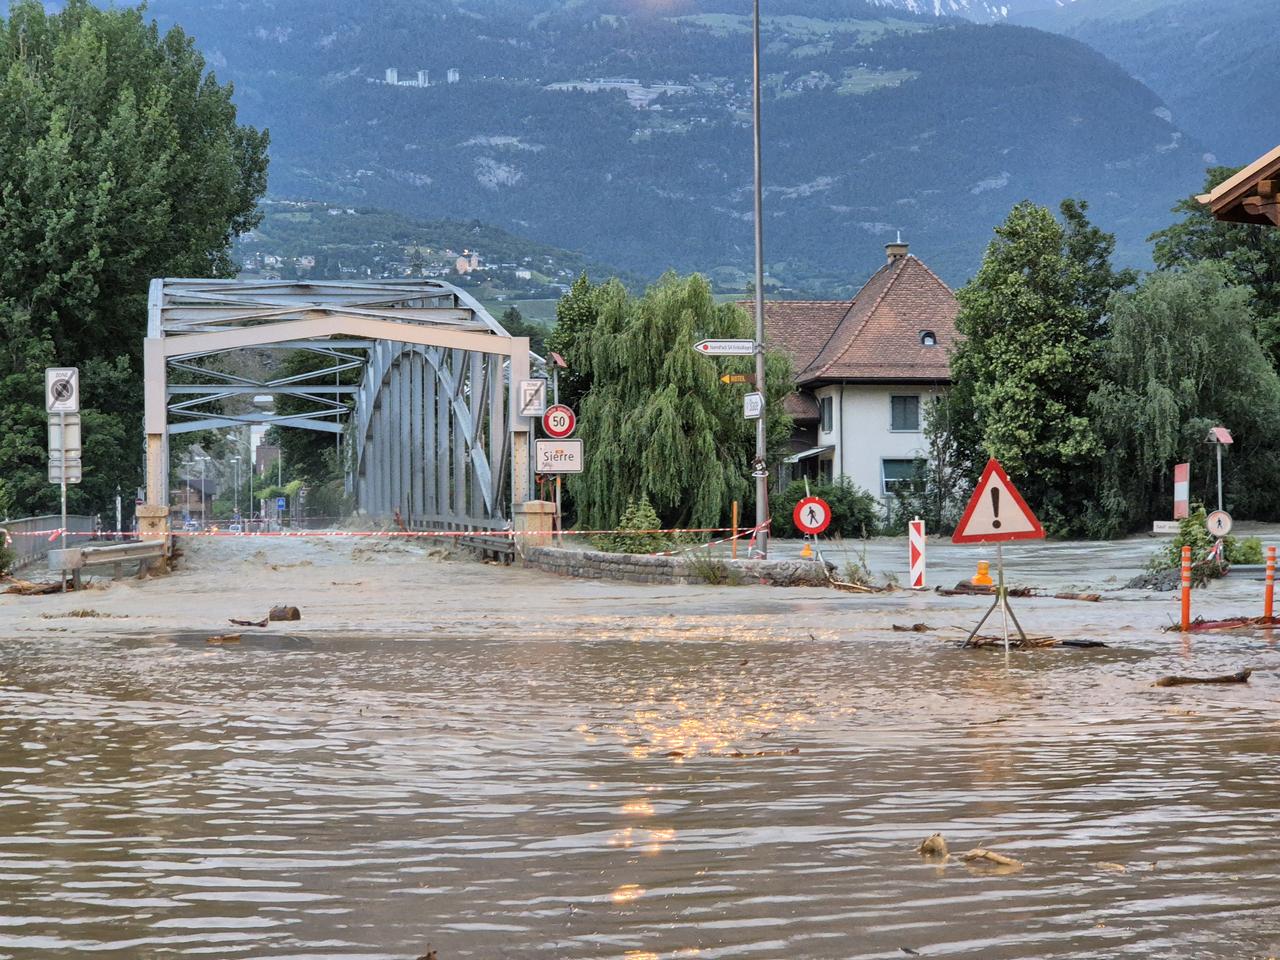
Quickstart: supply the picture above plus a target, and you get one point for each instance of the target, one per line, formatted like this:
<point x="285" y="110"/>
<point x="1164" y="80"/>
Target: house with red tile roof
<point x="865" y="371"/>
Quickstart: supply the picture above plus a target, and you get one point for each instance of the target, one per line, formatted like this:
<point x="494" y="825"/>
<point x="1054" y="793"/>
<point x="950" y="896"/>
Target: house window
<point x="824" y="406"/>
<point x="897" y="474"/>
<point x="928" y="338"/>
<point x="904" y="413"/>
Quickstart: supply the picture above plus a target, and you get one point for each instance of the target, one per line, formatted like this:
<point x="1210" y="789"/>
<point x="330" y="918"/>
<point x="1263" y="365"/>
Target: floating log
<point x="224" y="638"/>
<point x="248" y="623"/>
<point x="913" y="628"/>
<point x="1086" y="597"/>
<point x="284" y="613"/>
<point x="979" y="854"/>
<point x="27" y="588"/>
<point x="1240" y="676"/>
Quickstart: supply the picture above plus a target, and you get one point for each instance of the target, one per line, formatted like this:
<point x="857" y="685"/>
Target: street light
<point x="235" y="486"/>
<point x="760" y="471"/>
<point x="204" y="509"/>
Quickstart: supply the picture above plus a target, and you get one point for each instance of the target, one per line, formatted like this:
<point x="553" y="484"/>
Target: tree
<point x="1249" y="252"/>
<point x="514" y="323"/>
<point x="576" y="316"/>
<point x="1030" y="320"/>
<point x="657" y="422"/>
<point x="1182" y="357"/>
<point x="120" y="160"/>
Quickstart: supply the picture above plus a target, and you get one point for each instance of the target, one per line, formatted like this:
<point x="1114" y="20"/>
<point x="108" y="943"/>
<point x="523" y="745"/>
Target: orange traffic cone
<point x="807" y="552"/>
<point x="983" y="577"/>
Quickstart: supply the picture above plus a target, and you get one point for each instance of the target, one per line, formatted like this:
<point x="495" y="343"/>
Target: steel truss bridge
<point x="431" y="429"/>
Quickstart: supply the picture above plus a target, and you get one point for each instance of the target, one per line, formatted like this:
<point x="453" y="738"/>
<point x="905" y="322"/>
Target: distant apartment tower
<point x="393" y="75"/>
<point x="423" y="81"/>
<point x="453" y="76"/>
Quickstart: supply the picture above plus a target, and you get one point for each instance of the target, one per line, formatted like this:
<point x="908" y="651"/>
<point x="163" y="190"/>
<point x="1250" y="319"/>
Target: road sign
<point x="281" y="504"/>
<point x="915" y="553"/>
<point x="73" y="471"/>
<point x="1219" y="523"/>
<point x="559" y="421"/>
<point x="737" y="378"/>
<point x="71" y="442"/>
<point x="811" y="516"/>
<point x="1181" y="490"/>
<point x="1165" y="526"/>
<point x="753" y="406"/>
<point x="725" y="348"/>
<point x="62" y="390"/>
<point x="533" y="397"/>
<point x="997" y="512"/>
<point x="557" y="456"/>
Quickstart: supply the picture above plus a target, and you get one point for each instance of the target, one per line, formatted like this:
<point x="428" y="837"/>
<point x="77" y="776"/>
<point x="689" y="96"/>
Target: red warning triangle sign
<point x="997" y="512"/>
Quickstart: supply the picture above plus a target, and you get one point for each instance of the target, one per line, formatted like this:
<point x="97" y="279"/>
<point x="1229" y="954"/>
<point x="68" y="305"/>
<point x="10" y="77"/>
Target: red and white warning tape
<point x="749" y="532"/>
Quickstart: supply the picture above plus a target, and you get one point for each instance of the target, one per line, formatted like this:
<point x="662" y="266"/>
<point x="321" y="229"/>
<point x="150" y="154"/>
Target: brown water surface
<point x="581" y="798"/>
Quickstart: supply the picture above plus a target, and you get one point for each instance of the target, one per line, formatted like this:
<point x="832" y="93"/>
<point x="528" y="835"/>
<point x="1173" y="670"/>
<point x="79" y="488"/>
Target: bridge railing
<point x="29" y="536"/>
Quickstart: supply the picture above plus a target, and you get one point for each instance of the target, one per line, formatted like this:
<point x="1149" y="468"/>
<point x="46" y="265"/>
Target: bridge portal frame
<point x="426" y="340"/>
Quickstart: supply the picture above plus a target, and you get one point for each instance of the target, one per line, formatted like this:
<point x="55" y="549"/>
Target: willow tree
<point x="1182" y="357"/>
<point x="657" y="421"/>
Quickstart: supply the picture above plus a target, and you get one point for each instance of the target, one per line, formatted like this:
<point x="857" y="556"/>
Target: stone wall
<point x="642" y="568"/>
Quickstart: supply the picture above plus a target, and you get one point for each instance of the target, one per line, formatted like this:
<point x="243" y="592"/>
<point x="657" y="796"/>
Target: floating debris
<point x="980" y="855"/>
<point x="933" y="846"/>
<point x="284" y="613"/>
<point x="1240" y="676"/>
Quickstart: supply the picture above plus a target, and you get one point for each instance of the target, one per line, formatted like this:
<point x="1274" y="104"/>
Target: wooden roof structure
<point x="1251" y="196"/>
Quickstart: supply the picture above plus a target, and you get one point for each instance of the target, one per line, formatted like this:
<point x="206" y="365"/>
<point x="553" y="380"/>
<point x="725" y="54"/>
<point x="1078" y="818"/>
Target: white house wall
<point x="861" y="432"/>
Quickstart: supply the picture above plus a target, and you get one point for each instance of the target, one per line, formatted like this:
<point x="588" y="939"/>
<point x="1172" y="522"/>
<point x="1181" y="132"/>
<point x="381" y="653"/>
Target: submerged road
<point x="494" y="763"/>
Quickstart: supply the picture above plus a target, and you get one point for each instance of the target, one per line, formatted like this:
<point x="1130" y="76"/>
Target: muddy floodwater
<point x="516" y="766"/>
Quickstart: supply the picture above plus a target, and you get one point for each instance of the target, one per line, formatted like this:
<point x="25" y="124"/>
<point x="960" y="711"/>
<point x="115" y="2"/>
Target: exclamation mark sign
<point x="995" y="507"/>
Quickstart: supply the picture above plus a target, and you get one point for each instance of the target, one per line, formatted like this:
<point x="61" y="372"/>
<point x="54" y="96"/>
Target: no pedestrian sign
<point x="811" y="516"/>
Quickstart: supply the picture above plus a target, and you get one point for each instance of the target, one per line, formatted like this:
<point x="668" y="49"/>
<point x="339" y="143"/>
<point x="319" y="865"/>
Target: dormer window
<point x="928" y="338"/>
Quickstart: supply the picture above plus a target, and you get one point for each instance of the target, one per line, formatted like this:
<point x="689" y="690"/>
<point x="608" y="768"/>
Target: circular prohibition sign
<point x="559" y="421"/>
<point x="811" y="516"/>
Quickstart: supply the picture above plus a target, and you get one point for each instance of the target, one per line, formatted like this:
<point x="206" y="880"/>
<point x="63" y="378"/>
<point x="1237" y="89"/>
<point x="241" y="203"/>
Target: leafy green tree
<point x="854" y="511"/>
<point x="1030" y="320"/>
<point x="120" y="160"/>
<point x="514" y="323"/>
<point x="1249" y="252"/>
<point x="657" y="422"/>
<point x="1182" y="357"/>
<point x="576" y="316"/>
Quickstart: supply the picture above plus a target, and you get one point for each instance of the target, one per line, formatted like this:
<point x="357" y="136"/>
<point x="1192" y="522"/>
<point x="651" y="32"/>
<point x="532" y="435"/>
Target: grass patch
<point x="83" y="613"/>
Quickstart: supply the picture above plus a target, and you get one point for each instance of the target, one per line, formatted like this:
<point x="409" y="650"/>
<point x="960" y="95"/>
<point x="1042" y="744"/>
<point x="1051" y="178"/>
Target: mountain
<point x="1215" y="63"/>
<point x="623" y="130"/>
<point x="980" y="10"/>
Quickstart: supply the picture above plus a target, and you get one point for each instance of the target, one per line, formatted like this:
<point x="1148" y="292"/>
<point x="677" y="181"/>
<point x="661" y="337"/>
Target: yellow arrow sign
<point x="737" y="378"/>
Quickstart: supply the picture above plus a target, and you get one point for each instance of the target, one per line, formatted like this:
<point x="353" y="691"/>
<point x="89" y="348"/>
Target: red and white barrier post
<point x="1186" y="589"/>
<point x="1270" y="594"/>
<point x="915" y="551"/>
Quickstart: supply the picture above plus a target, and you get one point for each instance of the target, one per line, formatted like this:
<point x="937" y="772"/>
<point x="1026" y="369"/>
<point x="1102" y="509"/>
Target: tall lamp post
<point x="760" y="470"/>
<point x="204" y="509"/>
<point x="235" y="486"/>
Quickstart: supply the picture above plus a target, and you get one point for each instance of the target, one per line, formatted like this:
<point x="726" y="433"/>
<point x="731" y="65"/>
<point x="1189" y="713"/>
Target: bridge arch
<point x="434" y="432"/>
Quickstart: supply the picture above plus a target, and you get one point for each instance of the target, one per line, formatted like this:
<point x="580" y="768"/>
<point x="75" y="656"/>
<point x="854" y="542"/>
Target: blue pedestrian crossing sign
<point x="280" y="504"/>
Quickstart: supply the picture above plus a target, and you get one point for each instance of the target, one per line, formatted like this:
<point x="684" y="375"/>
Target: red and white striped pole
<point x="1270" y="595"/>
<point x="915" y="550"/>
<point x="1186" y="589"/>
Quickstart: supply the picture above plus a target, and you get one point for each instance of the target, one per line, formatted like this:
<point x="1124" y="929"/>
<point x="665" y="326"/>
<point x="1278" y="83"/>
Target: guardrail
<point x="29" y="537"/>
<point x="76" y="559"/>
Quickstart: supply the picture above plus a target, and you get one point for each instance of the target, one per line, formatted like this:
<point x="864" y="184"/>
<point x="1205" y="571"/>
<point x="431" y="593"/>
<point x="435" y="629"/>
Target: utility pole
<point x="760" y="470"/>
<point x="235" y="487"/>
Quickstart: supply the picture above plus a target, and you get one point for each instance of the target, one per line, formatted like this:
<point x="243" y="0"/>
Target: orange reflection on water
<point x="638" y="808"/>
<point x="627" y="893"/>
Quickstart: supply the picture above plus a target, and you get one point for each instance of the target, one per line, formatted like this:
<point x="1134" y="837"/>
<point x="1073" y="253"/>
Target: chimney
<point x="896" y="250"/>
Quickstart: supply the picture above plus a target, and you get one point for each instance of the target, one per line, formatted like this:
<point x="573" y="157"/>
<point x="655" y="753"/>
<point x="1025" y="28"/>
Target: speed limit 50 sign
<point x="558" y="422"/>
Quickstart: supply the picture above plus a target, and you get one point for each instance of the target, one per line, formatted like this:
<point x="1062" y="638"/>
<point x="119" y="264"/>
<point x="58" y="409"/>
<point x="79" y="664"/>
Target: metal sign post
<point x="62" y="397"/>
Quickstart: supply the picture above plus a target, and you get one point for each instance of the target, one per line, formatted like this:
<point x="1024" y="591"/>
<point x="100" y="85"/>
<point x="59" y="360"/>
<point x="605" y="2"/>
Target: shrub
<point x="7" y="556"/>
<point x="639" y="515"/>
<point x="1193" y="532"/>
<point x="853" y="511"/>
